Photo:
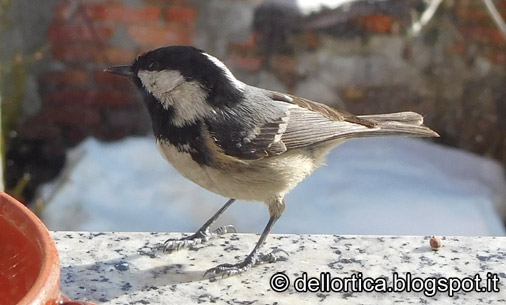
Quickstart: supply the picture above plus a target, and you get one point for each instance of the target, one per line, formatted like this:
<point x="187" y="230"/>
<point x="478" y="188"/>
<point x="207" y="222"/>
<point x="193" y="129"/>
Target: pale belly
<point x="259" y="180"/>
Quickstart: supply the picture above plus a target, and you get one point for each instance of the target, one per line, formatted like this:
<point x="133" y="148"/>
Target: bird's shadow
<point x="106" y="280"/>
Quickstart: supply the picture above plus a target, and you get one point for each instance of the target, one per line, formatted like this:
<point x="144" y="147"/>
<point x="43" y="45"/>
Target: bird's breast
<point x="255" y="180"/>
<point x="181" y="158"/>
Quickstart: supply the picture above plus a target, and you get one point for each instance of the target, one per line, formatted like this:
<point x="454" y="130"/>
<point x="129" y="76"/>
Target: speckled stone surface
<point x="128" y="268"/>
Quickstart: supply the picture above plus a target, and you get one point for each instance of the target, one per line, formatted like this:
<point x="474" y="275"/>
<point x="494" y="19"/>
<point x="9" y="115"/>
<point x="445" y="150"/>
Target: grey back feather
<point x="272" y="123"/>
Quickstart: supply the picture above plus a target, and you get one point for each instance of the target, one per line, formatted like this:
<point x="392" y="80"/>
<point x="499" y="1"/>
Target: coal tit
<point x="240" y="141"/>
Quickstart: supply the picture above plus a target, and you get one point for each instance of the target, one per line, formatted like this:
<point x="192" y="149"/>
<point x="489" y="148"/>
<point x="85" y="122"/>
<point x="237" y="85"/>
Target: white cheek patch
<point x="189" y="102"/>
<point x="188" y="99"/>
<point x="159" y="83"/>
<point x="237" y="83"/>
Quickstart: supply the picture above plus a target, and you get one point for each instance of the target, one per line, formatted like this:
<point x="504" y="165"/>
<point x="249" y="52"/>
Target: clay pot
<point x="29" y="262"/>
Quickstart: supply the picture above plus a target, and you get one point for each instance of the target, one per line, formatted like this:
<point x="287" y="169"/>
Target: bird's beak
<point x="125" y="71"/>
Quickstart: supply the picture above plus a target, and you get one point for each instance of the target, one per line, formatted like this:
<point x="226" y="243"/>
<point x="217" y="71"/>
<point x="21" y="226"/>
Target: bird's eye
<point x="153" y="65"/>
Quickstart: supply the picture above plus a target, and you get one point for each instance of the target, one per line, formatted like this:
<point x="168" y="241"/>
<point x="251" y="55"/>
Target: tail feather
<point x="397" y="124"/>
<point x="407" y="117"/>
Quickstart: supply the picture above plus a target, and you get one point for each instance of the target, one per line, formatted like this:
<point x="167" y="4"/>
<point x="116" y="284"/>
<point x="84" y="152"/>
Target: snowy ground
<point x="372" y="186"/>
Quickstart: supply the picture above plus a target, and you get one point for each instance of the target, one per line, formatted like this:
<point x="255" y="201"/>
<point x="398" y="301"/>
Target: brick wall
<point x="80" y="100"/>
<point x="481" y="125"/>
<point x="359" y="59"/>
<point x="478" y="30"/>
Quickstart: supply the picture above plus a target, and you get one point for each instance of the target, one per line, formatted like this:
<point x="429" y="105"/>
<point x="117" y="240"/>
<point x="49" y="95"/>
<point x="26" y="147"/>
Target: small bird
<point x="240" y="141"/>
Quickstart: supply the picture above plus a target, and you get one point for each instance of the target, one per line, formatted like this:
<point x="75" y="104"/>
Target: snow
<point x="310" y="6"/>
<point x="369" y="186"/>
<point x="307" y="7"/>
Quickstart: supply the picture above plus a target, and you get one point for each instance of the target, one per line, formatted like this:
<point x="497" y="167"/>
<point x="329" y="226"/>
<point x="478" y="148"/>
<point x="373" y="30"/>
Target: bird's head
<point x="185" y="79"/>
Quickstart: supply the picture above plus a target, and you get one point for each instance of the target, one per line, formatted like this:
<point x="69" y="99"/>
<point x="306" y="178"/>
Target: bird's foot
<point x="225" y="270"/>
<point x="199" y="237"/>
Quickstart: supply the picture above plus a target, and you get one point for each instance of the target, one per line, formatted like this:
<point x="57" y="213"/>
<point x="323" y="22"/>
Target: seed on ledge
<point x="435" y="243"/>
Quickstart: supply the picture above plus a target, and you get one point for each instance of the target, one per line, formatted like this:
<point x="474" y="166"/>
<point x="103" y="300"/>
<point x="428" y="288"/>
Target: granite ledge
<point x="128" y="268"/>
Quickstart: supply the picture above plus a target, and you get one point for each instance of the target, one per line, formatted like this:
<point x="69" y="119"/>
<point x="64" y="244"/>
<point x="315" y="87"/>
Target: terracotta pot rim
<point x="47" y="285"/>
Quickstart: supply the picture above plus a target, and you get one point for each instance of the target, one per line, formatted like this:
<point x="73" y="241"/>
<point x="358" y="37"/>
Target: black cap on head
<point x="194" y="65"/>
<point x="189" y="61"/>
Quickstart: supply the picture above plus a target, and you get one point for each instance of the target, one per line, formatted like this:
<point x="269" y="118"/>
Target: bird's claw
<point x="199" y="237"/>
<point x="273" y="256"/>
<point x="225" y="229"/>
<point x="226" y="270"/>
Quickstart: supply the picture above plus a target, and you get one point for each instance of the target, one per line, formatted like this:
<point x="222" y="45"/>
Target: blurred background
<point x="77" y="145"/>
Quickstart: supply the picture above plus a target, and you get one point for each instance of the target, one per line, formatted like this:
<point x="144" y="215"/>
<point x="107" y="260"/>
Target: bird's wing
<point x="312" y="123"/>
<point x="294" y="123"/>
<point x="249" y="137"/>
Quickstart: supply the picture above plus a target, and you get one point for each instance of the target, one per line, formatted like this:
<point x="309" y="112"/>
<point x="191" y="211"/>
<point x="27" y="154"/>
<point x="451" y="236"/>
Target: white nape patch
<point x="188" y="99"/>
<point x="237" y="83"/>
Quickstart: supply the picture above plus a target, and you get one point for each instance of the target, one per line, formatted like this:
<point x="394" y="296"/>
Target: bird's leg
<point x="203" y="234"/>
<point x="254" y="258"/>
